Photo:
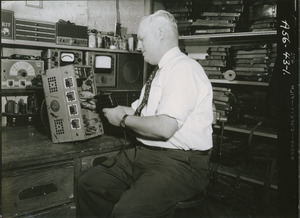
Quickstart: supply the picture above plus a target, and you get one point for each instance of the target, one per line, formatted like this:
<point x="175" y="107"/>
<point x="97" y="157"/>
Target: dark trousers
<point x="142" y="183"/>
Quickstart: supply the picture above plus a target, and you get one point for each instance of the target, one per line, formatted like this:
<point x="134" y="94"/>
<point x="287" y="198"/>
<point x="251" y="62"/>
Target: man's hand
<point x="114" y="115"/>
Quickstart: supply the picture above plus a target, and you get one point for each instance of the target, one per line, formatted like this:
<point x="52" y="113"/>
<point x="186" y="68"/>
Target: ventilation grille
<point x="59" y="127"/>
<point x="52" y="84"/>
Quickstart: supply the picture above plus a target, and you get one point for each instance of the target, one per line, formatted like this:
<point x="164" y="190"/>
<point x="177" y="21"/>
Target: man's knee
<point x="119" y="211"/>
<point x="87" y="180"/>
<point x="132" y="209"/>
<point x="125" y="211"/>
<point x="82" y="184"/>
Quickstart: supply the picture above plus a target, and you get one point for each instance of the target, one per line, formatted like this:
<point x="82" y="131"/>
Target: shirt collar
<point x="168" y="56"/>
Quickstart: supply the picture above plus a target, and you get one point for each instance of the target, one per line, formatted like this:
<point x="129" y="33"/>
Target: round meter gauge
<point x="67" y="57"/>
<point x="22" y="69"/>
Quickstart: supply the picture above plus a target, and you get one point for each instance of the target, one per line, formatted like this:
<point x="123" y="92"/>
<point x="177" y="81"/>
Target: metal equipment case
<point x="71" y="116"/>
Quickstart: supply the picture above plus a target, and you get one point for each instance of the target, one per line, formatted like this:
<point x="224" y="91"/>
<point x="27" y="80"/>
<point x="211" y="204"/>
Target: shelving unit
<point x="265" y="177"/>
<point x="237" y="38"/>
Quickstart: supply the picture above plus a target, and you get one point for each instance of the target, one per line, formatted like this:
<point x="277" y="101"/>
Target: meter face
<point x="67" y="57"/>
<point x="22" y="69"/>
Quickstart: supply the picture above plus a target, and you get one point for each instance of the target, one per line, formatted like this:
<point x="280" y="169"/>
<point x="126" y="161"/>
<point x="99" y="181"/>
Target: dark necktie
<point x="146" y="93"/>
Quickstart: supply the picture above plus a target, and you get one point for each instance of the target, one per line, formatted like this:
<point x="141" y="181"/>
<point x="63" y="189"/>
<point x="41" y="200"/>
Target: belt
<point x="155" y="148"/>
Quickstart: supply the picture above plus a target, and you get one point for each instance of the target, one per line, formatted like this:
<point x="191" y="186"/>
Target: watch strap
<point x="122" y="122"/>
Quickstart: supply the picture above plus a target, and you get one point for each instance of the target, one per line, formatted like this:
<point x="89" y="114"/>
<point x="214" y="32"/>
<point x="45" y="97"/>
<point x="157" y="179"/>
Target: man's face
<point x="149" y="43"/>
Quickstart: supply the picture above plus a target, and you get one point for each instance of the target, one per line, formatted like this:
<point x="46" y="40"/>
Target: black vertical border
<point x="288" y="116"/>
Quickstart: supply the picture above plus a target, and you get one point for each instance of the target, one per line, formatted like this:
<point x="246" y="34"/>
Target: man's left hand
<point x="114" y="115"/>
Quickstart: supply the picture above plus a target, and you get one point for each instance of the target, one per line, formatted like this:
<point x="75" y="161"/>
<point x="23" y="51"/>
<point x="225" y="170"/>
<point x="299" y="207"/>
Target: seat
<point x="193" y="202"/>
<point x="198" y="199"/>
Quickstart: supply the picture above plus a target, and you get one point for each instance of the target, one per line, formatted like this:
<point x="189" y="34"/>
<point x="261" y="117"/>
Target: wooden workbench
<point x="39" y="177"/>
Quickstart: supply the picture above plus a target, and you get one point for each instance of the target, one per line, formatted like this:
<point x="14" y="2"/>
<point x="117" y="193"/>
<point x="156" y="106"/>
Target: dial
<point x="5" y="31"/>
<point x="22" y="69"/>
<point x="54" y="105"/>
<point x="67" y="57"/>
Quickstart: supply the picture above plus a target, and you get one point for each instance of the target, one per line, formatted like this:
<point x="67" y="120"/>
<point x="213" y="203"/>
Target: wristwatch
<point x="122" y="122"/>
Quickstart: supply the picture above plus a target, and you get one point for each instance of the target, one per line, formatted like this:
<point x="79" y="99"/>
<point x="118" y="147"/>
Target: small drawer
<point x="36" y="39"/>
<point x="35" y="23"/>
<point x="33" y="33"/>
<point x="36" y="189"/>
<point x="93" y="160"/>
<point x="35" y="29"/>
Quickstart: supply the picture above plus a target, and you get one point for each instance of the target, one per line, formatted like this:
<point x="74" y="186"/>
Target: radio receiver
<point x="69" y="93"/>
<point x="68" y="34"/>
<point x="19" y="73"/>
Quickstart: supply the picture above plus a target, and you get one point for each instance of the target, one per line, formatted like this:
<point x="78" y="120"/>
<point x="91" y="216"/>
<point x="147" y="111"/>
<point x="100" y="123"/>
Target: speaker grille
<point x="130" y="72"/>
<point x="52" y="84"/>
<point x="59" y="127"/>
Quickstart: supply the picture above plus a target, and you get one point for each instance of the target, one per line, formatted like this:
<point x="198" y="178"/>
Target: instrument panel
<point x="17" y="74"/>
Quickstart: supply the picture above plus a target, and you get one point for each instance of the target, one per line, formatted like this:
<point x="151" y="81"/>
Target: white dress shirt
<point x="181" y="90"/>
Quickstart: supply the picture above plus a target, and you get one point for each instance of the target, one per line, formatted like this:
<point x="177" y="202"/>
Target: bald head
<point x="158" y="33"/>
<point x="164" y="19"/>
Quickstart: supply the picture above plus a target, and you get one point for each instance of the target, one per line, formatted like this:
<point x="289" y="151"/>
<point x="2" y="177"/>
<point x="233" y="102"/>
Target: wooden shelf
<point x="229" y="171"/>
<point x="269" y="133"/>
<point x="20" y="92"/>
<point x="228" y="38"/>
<point x="229" y="35"/>
<point x="42" y="45"/>
<point x="236" y="82"/>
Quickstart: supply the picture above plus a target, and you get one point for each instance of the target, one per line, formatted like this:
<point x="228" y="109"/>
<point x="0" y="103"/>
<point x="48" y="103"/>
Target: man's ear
<point x="161" y="31"/>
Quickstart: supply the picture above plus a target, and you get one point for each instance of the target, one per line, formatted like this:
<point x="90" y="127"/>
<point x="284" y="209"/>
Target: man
<point x="173" y="127"/>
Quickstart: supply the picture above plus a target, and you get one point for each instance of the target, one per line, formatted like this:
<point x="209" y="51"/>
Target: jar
<point x="99" y="40"/>
<point x="92" y="39"/>
<point x="130" y="44"/>
<point x="106" y="42"/>
<point x="22" y="106"/>
<point x="118" y="42"/>
<point x="32" y="105"/>
<point x="16" y="108"/>
<point x="123" y="44"/>
<point x="9" y="106"/>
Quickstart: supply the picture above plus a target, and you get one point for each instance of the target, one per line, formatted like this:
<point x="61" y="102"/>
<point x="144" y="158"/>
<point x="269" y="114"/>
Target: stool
<point x="193" y="202"/>
<point x="199" y="198"/>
